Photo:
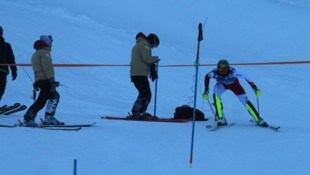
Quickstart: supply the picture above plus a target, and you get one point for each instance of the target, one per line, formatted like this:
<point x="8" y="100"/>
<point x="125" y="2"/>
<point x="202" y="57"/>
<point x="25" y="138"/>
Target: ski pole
<point x="74" y="167"/>
<point x="155" y="98"/>
<point x="212" y="109"/>
<point x="34" y="94"/>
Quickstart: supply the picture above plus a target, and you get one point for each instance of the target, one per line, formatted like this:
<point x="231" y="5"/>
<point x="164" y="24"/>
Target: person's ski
<point x="3" y="107"/>
<point x="18" y="109"/>
<point x="42" y="127"/>
<point x="216" y="127"/>
<point x="274" y="128"/>
<point x="9" y="126"/>
<point x="62" y="128"/>
<point x="171" y="120"/>
<point x="69" y="125"/>
<point x="7" y="110"/>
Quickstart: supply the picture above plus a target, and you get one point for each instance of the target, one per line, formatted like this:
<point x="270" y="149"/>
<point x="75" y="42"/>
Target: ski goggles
<point x="223" y="67"/>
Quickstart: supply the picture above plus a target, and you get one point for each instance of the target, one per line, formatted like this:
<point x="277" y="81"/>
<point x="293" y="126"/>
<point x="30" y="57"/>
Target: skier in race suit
<point x="142" y="65"/>
<point x="227" y="79"/>
<point x="45" y="82"/>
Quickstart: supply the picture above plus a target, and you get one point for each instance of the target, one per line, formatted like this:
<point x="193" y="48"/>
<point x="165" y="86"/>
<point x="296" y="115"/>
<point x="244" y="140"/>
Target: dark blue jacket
<point x="6" y="56"/>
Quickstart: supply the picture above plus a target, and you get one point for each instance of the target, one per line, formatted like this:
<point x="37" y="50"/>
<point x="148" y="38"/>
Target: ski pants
<point x="45" y="96"/>
<point x="143" y="86"/>
<point x="3" y="76"/>
<point x="238" y="90"/>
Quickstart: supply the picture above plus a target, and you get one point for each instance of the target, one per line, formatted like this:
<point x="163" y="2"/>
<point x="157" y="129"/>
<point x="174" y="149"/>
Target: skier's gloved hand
<point x="206" y="94"/>
<point x="54" y="84"/>
<point x="14" y="75"/>
<point x="153" y="73"/>
<point x="256" y="90"/>
<point x="36" y="86"/>
<point x="157" y="59"/>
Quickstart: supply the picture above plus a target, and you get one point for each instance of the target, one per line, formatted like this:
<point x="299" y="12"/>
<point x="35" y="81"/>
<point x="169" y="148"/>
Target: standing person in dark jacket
<point x="45" y="81"/>
<point x="6" y="57"/>
<point x="142" y="65"/>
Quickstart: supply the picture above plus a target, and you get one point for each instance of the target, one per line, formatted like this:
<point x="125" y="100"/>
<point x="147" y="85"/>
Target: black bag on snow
<point x="186" y="112"/>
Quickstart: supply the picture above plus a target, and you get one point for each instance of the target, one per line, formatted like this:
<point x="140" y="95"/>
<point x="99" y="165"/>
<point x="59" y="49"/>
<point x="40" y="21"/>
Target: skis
<point x="274" y="128"/>
<point x="71" y="127"/>
<point x="62" y="128"/>
<point x="7" y="110"/>
<point x="170" y="120"/>
<point x="9" y="126"/>
<point x="216" y="127"/>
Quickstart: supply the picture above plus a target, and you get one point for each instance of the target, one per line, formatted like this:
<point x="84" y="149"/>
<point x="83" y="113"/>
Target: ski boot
<point x="221" y="121"/>
<point x="51" y="120"/>
<point x="141" y="116"/>
<point x="261" y="123"/>
<point x="29" y="120"/>
<point x="29" y="123"/>
<point x="150" y="117"/>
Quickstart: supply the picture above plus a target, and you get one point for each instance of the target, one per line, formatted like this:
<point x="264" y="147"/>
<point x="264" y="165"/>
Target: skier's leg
<point x="217" y="92"/>
<point x="218" y="106"/>
<point x="249" y="106"/>
<point x="253" y="112"/>
<point x="251" y="109"/>
<point x="29" y="117"/>
<point x="51" y="109"/>
<point x="3" y="77"/>
<point x="148" y="95"/>
<point x="40" y="102"/>
<point x="52" y="104"/>
<point x="142" y="85"/>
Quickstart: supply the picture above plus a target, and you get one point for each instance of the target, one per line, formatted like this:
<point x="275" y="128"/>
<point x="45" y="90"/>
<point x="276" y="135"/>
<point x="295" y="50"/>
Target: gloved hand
<point x="256" y="90"/>
<point x="53" y="93"/>
<point x="153" y="73"/>
<point x="54" y="84"/>
<point x="14" y="75"/>
<point x="206" y="94"/>
<point x="158" y="59"/>
<point x="36" y="86"/>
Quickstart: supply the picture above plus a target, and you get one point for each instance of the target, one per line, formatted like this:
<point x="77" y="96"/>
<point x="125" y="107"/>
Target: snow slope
<point x="103" y="32"/>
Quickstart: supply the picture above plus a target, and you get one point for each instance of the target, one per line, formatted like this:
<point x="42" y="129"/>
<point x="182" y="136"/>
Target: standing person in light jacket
<point x="142" y="65"/>
<point x="45" y="82"/>
<point x="6" y="57"/>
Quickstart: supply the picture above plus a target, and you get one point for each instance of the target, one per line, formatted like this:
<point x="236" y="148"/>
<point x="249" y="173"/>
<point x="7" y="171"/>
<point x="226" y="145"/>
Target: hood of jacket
<point x="142" y="37"/>
<point x="39" y="44"/>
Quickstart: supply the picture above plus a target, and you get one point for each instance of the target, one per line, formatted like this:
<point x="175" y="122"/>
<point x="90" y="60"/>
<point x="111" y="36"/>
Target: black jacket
<point x="6" y="56"/>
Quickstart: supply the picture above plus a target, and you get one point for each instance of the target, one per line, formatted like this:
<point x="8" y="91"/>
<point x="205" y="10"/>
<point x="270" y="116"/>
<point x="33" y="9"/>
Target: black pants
<point x="3" y="76"/>
<point x="44" y="96"/>
<point x="143" y="86"/>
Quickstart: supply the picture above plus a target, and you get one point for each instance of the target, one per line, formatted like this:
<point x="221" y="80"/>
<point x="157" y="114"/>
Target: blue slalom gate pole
<point x="74" y="167"/>
<point x="200" y="38"/>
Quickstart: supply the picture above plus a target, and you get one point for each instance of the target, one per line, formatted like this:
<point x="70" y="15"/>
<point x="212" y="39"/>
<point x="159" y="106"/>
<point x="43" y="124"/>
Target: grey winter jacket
<point x="42" y="64"/>
<point x="141" y="57"/>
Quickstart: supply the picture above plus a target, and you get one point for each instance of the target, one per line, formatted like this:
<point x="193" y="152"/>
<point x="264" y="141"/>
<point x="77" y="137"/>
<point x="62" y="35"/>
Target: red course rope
<point x="176" y="65"/>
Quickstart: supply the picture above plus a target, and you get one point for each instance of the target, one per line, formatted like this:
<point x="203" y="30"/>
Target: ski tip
<point x="275" y="128"/>
<point x="209" y="126"/>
